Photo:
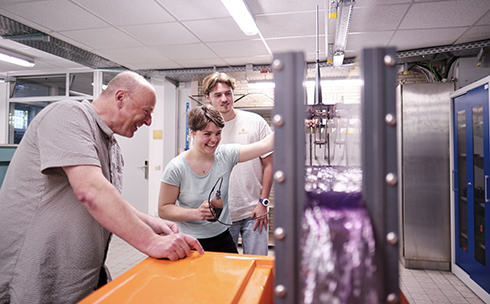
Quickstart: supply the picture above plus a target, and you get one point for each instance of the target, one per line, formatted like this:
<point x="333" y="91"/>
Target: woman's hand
<point x="164" y="227"/>
<point x="203" y="212"/>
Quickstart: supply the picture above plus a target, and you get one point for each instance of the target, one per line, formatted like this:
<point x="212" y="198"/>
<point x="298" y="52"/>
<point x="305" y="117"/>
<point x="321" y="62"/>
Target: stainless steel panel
<point x="426" y="175"/>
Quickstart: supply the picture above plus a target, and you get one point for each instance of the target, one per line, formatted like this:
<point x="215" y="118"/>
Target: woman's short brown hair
<point x="199" y="117"/>
<point x="212" y="80"/>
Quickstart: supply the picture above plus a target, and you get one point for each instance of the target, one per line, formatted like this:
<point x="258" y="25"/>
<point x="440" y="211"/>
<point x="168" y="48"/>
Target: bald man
<point x="60" y="200"/>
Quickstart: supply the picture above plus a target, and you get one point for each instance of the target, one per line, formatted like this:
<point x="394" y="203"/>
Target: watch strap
<point x="264" y="201"/>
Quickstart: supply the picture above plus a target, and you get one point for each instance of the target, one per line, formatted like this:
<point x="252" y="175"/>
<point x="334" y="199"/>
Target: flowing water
<point x="338" y="242"/>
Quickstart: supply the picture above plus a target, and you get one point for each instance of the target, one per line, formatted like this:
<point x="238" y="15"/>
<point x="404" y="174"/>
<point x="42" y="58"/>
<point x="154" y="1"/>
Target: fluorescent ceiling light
<point x="15" y="60"/>
<point x="11" y="57"/>
<point x="239" y="11"/>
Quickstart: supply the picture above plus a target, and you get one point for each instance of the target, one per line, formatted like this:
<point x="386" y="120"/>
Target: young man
<point x="61" y="200"/>
<point x="250" y="182"/>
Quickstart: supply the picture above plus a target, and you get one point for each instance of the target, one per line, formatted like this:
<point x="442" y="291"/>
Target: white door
<point x="135" y="151"/>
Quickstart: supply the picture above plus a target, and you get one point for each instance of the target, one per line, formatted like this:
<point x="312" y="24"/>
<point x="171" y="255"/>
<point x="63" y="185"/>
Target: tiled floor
<point x="431" y="286"/>
<point x="418" y="286"/>
<point x="122" y="256"/>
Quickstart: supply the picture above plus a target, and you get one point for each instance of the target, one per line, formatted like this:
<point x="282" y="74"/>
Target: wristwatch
<point x="265" y="202"/>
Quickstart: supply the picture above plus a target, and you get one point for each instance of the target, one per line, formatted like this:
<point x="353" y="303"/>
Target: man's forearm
<point x="267" y="172"/>
<point x="108" y="207"/>
<point x="143" y="216"/>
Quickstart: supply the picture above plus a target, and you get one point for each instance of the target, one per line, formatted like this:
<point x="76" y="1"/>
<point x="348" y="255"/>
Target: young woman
<point x="189" y="179"/>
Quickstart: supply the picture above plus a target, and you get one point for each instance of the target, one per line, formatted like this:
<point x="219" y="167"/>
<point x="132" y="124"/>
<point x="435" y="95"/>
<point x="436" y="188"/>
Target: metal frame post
<point x="379" y="164"/>
<point x="289" y="173"/>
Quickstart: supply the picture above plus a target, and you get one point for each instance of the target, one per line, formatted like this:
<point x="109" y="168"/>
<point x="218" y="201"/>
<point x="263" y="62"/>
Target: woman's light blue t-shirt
<point x="195" y="189"/>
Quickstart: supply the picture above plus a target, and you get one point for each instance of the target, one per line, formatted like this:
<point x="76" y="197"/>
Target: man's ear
<point x="119" y="97"/>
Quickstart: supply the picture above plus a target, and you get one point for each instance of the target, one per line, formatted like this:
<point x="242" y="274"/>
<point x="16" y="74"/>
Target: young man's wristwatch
<point x="265" y="202"/>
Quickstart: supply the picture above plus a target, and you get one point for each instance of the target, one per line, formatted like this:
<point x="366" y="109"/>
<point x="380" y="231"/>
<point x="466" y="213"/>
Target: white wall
<point x="164" y="120"/>
<point x="170" y="118"/>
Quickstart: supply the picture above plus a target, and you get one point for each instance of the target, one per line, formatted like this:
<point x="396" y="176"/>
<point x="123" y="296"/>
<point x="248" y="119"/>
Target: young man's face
<point x="221" y="97"/>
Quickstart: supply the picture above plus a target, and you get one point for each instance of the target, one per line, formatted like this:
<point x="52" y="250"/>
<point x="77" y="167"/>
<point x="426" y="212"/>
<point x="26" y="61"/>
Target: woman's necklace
<point x="204" y="169"/>
<point x="206" y="166"/>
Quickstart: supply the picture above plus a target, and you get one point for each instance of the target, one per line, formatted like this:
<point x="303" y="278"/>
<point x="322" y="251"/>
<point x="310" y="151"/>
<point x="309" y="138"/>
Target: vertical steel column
<point x="379" y="164"/>
<point x="289" y="173"/>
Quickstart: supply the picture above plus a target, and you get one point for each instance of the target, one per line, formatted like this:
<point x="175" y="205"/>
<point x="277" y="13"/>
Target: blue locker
<point x="471" y="183"/>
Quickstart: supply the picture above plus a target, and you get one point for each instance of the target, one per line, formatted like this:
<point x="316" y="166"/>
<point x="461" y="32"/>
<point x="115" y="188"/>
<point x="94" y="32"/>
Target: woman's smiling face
<point x="207" y="139"/>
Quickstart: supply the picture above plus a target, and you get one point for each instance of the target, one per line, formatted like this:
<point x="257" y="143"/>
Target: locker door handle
<point x="486" y="196"/>
<point x="454" y="180"/>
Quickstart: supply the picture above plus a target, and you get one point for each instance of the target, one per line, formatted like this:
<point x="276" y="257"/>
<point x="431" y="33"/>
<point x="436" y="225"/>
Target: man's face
<point x="136" y="111"/>
<point x="221" y="97"/>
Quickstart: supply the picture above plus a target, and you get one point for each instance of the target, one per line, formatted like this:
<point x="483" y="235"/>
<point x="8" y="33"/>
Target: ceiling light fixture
<point x="338" y="15"/>
<point x="14" y="58"/>
<point x="240" y="12"/>
<point x="338" y="58"/>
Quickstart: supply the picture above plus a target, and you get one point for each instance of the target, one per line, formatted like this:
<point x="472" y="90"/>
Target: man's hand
<point x="174" y="246"/>
<point x="261" y="221"/>
<point x="139" y="229"/>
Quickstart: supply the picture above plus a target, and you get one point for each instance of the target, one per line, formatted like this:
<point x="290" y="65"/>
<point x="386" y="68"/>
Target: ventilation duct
<point x="15" y="31"/>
